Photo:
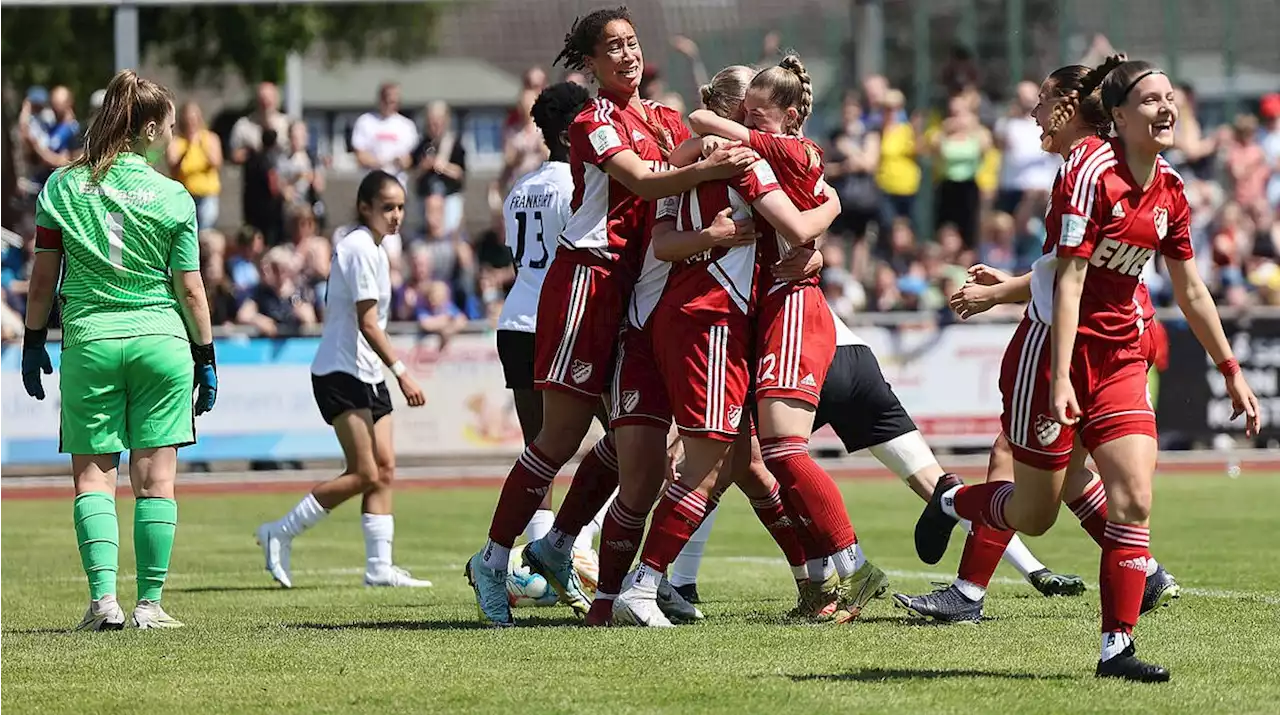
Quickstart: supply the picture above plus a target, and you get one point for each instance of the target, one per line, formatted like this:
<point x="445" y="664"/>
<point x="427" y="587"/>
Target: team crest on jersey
<point x="735" y="415"/>
<point x="1161" y="216"/>
<point x="1047" y="430"/>
<point x="630" y="398"/>
<point x="580" y="371"/>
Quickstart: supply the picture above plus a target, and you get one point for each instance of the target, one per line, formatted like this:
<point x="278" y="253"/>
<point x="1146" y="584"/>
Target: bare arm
<point x="689" y="151"/>
<point x="671" y="245"/>
<point x="367" y="316"/>
<point x="1066" y="322"/>
<point x="631" y="171"/>
<point x="249" y="315"/>
<point x="212" y="149"/>
<point x="1196" y="302"/>
<point x="367" y="160"/>
<point x="797" y="227"/>
<point x="40" y="289"/>
<point x="173" y="157"/>
<point x="705" y="121"/>
<point x="188" y="286"/>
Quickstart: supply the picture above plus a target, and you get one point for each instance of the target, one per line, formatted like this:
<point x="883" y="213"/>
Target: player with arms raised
<point x="1080" y="362"/>
<point x="136" y="338"/>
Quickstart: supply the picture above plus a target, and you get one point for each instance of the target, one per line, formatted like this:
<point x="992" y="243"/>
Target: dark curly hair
<point x="581" y="41"/>
<point x="1077" y="89"/>
<point x="553" y="111"/>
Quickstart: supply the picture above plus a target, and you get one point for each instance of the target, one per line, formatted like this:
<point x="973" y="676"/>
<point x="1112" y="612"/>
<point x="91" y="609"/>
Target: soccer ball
<point x="525" y="588"/>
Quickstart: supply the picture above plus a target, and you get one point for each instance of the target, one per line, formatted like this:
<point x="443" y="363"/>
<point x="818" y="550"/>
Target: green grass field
<point x="330" y="645"/>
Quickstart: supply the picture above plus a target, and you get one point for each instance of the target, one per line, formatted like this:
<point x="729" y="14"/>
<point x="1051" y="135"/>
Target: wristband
<point x="33" y="338"/>
<point x="1229" y="367"/>
<point x="398" y="368"/>
<point x="203" y="354"/>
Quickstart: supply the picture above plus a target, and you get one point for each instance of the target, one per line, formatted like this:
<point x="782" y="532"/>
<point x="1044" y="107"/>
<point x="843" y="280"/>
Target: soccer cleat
<point x="1126" y="665"/>
<point x="276" y="546"/>
<point x="1160" y="590"/>
<point x="559" y="571"/>
<point x="490" y="586"/>
<point x="601" y="613"/>
<point x="857" y="590"/>
<point x="933" y="529"/>
<point x="674" y="605"/>
<point x="103" y="614"/>
<point x="689" y="592"/>
<point x="633" y="608"/>
<point x="394" y="577"/>
<point x="1051" y="584"/>
<point x="150" y="616"/>
<point x="945" y="605"/>
<point x="817" y="601"/>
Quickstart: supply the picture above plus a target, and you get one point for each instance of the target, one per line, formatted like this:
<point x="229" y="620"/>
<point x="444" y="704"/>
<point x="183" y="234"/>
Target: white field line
<point x="183" y="580"/>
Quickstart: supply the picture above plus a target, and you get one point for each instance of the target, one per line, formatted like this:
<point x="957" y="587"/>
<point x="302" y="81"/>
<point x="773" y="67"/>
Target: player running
<point x="701" y="266"/>
<point x="1117" y="204"/>
<point x="619" y="156"/>
<point x="136" y="339"/>
<point x="351" y="392"/>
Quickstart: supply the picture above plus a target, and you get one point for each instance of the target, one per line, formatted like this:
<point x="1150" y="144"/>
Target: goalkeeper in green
<point x="136" y="338"/>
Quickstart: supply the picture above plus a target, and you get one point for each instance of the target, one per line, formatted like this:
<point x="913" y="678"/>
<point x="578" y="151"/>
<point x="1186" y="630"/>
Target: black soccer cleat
<point x="689" y="592"/>
<point x="1129" y="667"/>
<point x="1160" y="590"/>
<point x="1051" y="584"/>
<point x="946" y="605"/>
<point x="933" y="529"/>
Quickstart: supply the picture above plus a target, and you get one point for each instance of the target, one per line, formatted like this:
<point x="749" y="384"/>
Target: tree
<point x="71" y="45"/>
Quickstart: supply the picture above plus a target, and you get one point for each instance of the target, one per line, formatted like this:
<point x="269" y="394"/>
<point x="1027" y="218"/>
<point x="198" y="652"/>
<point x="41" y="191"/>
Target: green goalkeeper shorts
<point x="126" y="393"/>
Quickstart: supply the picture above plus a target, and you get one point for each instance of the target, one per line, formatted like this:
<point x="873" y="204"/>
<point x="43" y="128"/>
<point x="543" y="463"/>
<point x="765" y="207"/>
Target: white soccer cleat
<point x="394" y="577"/>
<point x="103" y="614"/>
<point x="150" y="616"/>
<point x="674" y="606"/>
<point x="635" y="608"/>
<point x="276" y="547"/>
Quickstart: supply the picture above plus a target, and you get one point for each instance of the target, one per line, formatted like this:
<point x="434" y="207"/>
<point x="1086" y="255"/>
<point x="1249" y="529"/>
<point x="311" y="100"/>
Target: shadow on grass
<point x="431" y="625"/>
<point x="233" y="589"/>
<point x="877" y="675"/>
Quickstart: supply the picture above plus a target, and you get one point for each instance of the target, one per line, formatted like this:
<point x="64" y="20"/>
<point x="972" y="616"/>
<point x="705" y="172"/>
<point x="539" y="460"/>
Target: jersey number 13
<point x="522" y="230"/>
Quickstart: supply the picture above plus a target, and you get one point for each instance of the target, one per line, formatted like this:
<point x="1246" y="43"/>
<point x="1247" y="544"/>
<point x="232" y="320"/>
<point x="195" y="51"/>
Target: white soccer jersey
<point x="360" y="271"/>
<point x="534" y="214"/>
<point x="844" y="336"/>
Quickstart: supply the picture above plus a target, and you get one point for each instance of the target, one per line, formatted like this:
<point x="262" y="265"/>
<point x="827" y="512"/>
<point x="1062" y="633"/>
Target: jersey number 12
<point x="115" y="240"/>
<point x="522" y="226"/>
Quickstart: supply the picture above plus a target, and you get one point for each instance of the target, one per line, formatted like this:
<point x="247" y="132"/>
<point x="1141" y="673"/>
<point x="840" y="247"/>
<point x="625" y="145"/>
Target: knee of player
<point x="1039" y="522"/>
<point x="385" y="475"/>
<point x="1129" y="506"/>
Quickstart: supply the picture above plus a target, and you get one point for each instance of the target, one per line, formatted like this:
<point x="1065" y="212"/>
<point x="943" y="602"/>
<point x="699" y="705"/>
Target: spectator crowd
<point x="976" y="157"/>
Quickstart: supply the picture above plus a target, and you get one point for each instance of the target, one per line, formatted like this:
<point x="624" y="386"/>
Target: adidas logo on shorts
<point x="808" y="381"/>
<point x="1117" y="211"/>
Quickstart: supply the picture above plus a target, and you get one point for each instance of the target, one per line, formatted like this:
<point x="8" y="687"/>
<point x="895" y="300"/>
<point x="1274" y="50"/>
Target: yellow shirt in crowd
<point x="195" y="172"/>
<point x="898" y="173"/>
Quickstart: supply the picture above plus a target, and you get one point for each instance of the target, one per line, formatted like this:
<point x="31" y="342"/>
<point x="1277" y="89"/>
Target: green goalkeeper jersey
<point x="121" y="239"/>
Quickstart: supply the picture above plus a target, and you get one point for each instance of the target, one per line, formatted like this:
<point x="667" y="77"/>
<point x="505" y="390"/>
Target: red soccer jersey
<point x="798" y="165"/>
<point x="609" y="221"/>
<point x="1118" y="227"/>
<point x="718" y="281"/>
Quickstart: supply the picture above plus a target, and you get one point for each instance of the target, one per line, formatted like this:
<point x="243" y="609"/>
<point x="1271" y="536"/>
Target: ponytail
<point x="130" y="103"/>
<point x="1077" y="89"/>
<point x="725" y="92"/>
<point x="789" y="86"/>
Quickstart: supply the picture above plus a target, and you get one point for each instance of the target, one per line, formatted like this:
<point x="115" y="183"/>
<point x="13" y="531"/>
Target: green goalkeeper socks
<point x="154" y="522"/>
<point x="98" y="536"/>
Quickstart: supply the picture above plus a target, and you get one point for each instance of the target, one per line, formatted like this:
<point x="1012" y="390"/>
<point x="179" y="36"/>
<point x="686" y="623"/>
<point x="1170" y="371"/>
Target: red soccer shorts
<point x="795" y="343"/>
<point x="1111" y="389"/>
<point x="639" y="397"/>
<point x="579" y="313"/>
<point x="706" y="370"/>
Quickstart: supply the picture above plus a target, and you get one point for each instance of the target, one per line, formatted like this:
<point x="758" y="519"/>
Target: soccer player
<point x="351" y="392"/>
<point x="795" y="336"/>
<point x="534" y="215"/>
<point x="703" y="269"/>
<point x="136" y="338"/>
<point x="1117" y="203"/>
<point x="1083" y="492"/>
<point x="619" y="150"/>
